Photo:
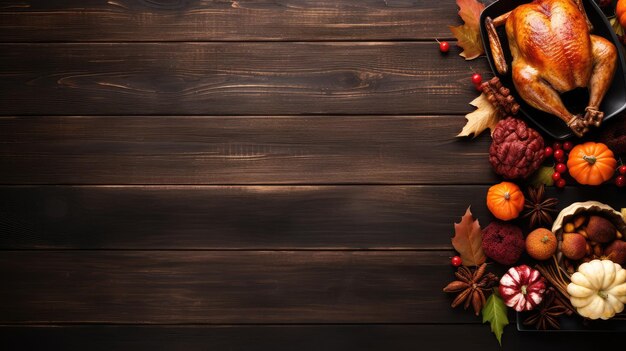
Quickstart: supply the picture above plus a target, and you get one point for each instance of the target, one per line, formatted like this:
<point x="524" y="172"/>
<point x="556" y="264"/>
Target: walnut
<point x="517" y="150"/>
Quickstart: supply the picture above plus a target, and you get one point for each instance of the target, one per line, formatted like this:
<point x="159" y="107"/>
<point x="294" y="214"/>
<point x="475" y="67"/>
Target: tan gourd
<point x="598" y="289"/>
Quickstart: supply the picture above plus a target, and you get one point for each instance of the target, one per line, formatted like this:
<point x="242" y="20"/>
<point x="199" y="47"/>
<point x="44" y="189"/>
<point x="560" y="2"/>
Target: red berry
<point x="444" y="46"/>
<point x="456" y="261"/>
<point x="556" y="145"/>
<point x="559" y="154"/>
<point x="560" y="183"/>
<point x="568" y="145"/>
<point x="548" y="151"/>
<point x="561" y="167"/>
<point x="620" y="181"/>
<point x="622" y="170"/>
<point x="556" y="176"/>
<point x="477" y="79"/>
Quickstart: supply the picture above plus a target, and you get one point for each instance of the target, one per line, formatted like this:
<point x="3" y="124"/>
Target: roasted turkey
<point x="553" y="53"/>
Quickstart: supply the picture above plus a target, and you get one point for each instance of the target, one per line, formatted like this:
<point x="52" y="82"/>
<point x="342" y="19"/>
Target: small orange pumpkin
<point x="591" y="163"/>
<point x="620" y="13"/>
<point x="505" y="201"/>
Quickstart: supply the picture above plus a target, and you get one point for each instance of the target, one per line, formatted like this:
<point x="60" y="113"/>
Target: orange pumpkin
<point x="591" y="163"/>
<point x="505" y="201"/>
<point x="620" y="13"/>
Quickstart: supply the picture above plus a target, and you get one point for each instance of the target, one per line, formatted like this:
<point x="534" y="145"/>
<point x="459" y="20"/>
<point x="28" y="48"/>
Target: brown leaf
<point x="470" y="10"/>
<point x="616" y="26"/>
<point x="468" y="240"/>
<point x="468" y="34"/>
<point x="486" y="116"/>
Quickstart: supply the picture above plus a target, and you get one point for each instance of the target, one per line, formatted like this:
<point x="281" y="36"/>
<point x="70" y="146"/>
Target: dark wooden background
<point x="238" y="175"/>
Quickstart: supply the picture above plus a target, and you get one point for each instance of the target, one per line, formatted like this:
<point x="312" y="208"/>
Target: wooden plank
<point x="234" y="79"/>
<point x="249" y="217"/>
<point x="246" y="217"/>
<point x="226" y="287"/>
<point x="288" y="338"/>
<point x="195" y="20"/>
<point x="251" y="150"/>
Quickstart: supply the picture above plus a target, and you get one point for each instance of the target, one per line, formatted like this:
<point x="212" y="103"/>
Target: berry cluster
<point x="559" y="152"/>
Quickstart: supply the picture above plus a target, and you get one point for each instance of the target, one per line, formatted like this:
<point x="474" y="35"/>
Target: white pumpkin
<point x="598" y="289"/>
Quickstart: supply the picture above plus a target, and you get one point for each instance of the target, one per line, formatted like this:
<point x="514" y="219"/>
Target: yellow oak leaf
<point x="468" y="34"/>
<point x="485" y="117"/>
<point x="470" y="10"/>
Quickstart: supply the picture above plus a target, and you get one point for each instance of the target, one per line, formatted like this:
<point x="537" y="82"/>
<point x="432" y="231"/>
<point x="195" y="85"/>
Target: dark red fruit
<point x="560" y="183"/>
<point x="559" y="154"/>
<point x="456" y="261"/>
<point x="548" y="151"/>
<point x="568" y="145"/>
<point x="620" y="181"/>
<point x="477" y="79"/>
<point x="561" y="167"/>
<point x="557" y="146"/>
<point x="444" y="46"/>
<point x="622" y="170"/>
<point x="556" y="176"/>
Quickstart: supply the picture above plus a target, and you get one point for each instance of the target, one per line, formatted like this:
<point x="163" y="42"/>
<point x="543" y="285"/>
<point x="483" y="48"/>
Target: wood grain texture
<point x="216" y="20"/>
<point x="288" y="338"/>
<point x="226" y="287"/>
<point x="256" y="217"/>
<point x="250" y="150"/>
<point x="246" y="217"/>
<point x="233" y="79"/>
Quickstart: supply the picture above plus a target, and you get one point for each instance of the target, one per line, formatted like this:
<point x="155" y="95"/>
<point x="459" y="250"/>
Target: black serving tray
<point x="575" y="323"/>
<point x="615" y="100"/>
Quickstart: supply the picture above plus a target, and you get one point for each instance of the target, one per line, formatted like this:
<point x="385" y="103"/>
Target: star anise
<point x="548" y="312"/>
<point x="471" y="286"/>
<point x="538" y="208"/>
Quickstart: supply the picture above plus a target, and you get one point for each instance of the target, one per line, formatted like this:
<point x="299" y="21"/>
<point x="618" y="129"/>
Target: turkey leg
<point x="542" y="96"/>
<point x="604" y="65"/>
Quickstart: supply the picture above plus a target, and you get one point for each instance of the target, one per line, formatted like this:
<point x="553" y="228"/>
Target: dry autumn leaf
<point x="486" y="116"/>
<point x="468" y="240"/>
<point x="468" y="34"/>
<point x="616" y="26"/>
